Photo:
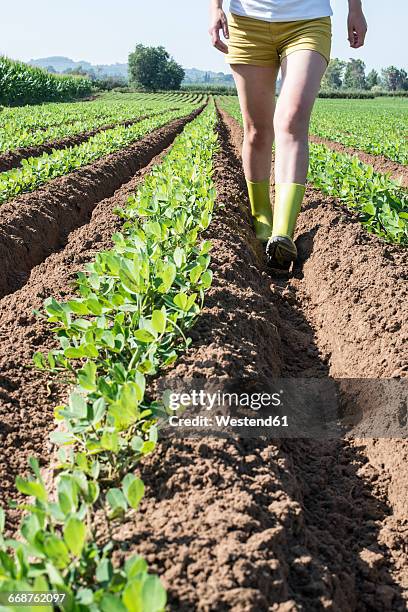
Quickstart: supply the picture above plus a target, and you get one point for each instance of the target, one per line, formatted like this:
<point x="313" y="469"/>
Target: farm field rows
<point x="225" y="523"/>
<point x="27" y="132"/>
<point x="36" y="171"/>
<point x="379" y="126"/>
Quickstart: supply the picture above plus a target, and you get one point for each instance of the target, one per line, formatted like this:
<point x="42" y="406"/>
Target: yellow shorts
<point x="262" y="43"/>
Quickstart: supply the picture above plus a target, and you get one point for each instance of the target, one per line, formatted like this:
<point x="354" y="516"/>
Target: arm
<point x="218" y="21"/>
<point x="357" y="25"/>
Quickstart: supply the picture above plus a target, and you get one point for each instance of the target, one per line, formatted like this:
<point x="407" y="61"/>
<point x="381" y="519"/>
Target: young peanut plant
<point x="135" y="306"/>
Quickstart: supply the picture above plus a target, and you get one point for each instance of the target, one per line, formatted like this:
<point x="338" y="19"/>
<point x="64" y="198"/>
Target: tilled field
<point x="233" y="524"/>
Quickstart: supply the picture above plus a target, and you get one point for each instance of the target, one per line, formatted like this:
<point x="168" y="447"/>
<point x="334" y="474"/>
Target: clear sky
<point x="103" y="31"/>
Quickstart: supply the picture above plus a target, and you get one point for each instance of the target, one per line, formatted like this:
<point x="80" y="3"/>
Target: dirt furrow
<point x="12" y="159"/>
<point x="350" y="290"/>
<point x="381" y="164"/>
<point x="37" y="224"/>
<point x="255" y="525"/>
<point x="27" y="397"/>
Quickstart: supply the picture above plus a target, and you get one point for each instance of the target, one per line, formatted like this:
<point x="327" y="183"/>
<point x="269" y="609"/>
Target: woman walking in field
<point x="265" y="36"/>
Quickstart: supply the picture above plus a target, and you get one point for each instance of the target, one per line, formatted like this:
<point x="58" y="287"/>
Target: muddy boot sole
<point x="281" y="253"/>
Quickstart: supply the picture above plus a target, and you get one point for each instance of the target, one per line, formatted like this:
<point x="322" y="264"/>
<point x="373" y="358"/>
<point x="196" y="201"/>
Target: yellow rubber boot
<point x="261" y="209"/>
<point x="281" y="250"/>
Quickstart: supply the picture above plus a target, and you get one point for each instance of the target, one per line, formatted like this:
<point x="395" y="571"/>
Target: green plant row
<point x="36" y="171"/>
<point x="378" y="127"/>
<point x="135" y="305"/>
<point x="44" y="116"/>
<point x="24" y="84"/>
<point x="382" y="205"/>
<point x="16" y="133"/>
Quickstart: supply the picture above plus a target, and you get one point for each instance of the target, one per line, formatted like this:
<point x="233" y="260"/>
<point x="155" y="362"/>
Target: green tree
<point x="152" y="68"/>
<point x="354" y="77"/>
<point x="333" y="77"/>
<point x="394" y="78"/>
<point x="373" y="79"/>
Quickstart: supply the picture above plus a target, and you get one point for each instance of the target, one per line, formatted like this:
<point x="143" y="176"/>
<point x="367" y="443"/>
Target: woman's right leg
<point x="256" y="92"/>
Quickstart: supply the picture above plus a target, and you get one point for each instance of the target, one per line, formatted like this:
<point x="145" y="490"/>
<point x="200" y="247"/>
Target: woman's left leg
<point x="302" y="72"/>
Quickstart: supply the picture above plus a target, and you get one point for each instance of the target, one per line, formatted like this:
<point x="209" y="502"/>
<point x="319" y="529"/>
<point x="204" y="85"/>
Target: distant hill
<point x="62" y="64"/>
<point x="193" y="75"/>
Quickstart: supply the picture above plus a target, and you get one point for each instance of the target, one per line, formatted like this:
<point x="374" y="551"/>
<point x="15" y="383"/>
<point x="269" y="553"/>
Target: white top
<point x="281" y="10"/>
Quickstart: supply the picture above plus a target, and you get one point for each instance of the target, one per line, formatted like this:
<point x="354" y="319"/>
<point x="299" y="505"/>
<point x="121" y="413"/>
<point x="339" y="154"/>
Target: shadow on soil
<point x="338" y="502"/>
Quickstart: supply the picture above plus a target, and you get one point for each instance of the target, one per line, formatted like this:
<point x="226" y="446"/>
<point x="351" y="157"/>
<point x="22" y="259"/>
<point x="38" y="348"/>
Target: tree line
<point x="153" y="69"/>
<point x="352" y="75"/>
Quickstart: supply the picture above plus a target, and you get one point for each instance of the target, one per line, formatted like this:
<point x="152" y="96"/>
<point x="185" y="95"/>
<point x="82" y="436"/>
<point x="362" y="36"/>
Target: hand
<point x="357" y="28"/>
<point x="218" y="22"/>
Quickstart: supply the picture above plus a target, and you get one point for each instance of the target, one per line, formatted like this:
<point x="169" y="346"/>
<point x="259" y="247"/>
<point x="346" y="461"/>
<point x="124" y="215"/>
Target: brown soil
<point x="252" y="525"/>
<point x="12" y="159"/>
<point x="380" y="163"/>
<point x="36" y="224"/>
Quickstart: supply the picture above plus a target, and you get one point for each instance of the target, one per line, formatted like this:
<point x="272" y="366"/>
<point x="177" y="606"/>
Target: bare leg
<point x="302" y="72"/>
<point x="256" y="90"/>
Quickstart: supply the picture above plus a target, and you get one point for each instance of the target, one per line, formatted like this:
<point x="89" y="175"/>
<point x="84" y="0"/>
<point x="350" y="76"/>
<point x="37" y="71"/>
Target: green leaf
<point x="30" y="527"/>
<point x="153" y="594"/>
<point x="136" y="443"/>
<point x="205" y="247"/>
<point x="54" y="575"/>
<point x="32" y="488"/>
<point x="181" y="300"/>
<point x="85" y="596"/>
<point x="110" y="441"/>
<point x="167" y="275"/>
<point x="125" y="410"/>
<point x="195" y="273"/>
<point x="206" y="279"/>
<point x="56" y="550"/>
<point x="87" y="376"/>
<point x="110" y="603"/>
<point x="104" y="571"/>
<point x="143" y="335"/>
<point x="132" y="597"/>
<point x="35" y="466"/>
<point x="178" y="257"/>
<point x="133" y="489"/>
<point x="159" y="321"/>
<point x="78" y="307"/>
<point x="78" y="406"/>
<point x="75" y="352"/>
<point x="99" y="410"/>
<point x="39" y="361"/>
<point x="135" y="566"/>
<point x="75" y="535"/>
<point x="148" y="447"/>
<point x="60" y="438"/>
<point x="94" y="306"/>
<point x="116" y="499"/>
